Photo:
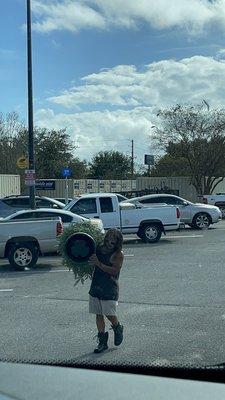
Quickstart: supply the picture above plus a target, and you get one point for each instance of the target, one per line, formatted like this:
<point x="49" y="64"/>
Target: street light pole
<point x="30" y="104"/>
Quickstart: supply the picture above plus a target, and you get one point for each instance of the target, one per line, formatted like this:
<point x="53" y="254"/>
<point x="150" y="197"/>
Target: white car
<point x="67" y="217"/>
<point x="199" y="216"/>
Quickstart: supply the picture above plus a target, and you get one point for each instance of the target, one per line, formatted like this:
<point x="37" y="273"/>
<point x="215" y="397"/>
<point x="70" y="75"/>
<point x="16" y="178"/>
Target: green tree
<point x="53" y="150"/>
<point x="110" y="165"/>
<point x="171" y="166"/>
<point x="195" y="134"/>
<point x="79" y="168"/>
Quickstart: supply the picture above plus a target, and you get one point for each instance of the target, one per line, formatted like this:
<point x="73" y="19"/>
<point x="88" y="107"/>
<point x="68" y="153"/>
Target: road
<point x="172" y="305"/>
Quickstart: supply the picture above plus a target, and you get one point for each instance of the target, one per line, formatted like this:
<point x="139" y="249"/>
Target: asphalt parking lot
<point x="172" y="305"/>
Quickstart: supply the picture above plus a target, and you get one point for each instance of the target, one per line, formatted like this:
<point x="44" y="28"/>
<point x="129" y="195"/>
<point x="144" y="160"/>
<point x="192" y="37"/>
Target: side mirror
<point x="185" y="204"/>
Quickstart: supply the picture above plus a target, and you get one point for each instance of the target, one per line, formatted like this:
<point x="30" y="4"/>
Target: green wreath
<point x="82" y="271"/>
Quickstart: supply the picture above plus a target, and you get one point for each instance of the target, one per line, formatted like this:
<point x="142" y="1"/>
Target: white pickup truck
<point x="148" y="223"/>
<point x="23" y="241"/>
<point x="215" y="200"/>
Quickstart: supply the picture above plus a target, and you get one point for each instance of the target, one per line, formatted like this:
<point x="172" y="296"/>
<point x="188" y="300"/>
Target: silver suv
<point x="11" y="204"/>
<point x="198" y="216"/>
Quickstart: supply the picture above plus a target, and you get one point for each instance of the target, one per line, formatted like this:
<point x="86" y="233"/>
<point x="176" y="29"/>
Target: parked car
<point x="23" y="242"/>
<point x="148" y="224"/>
<point x="11" y="204"/>
<point x="67" y="217"/>
<point x="196" y="215"/>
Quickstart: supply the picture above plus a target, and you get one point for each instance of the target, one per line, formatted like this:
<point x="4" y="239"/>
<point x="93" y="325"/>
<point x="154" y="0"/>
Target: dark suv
<point x="11" y="204"/>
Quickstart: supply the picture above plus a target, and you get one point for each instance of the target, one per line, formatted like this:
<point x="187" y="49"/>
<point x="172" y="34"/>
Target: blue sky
<point x="102" y="67"/>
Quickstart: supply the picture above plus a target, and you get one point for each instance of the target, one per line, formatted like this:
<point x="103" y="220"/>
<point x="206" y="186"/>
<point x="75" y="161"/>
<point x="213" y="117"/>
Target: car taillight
<point x="178" y="212"/>
<point x="205" y="200"/>
<point x="59" y="229"/>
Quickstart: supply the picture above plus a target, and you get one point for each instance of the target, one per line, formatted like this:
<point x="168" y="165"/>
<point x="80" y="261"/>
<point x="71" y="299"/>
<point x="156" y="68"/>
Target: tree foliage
<point x="54" y="150"/>
<point x="110" y="165"/>
<point x="195" y="135"/>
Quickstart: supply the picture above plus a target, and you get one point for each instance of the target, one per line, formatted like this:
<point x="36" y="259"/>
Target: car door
<point x="185" y="208"/>
<point x="109" y="215"/>
<point x="86" y="208"/>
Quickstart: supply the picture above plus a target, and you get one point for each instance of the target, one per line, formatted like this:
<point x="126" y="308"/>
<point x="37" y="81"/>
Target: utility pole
<point x="30" y="107"/>
<point x="132" y="159"/>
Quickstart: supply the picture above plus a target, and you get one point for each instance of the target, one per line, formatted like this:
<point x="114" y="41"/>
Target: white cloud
<point x="74" y="15"/>
<point x="220" y="55"/>
<point x="102" y="130"/>
<point x="135" y="94"/>
<point x="65" y="15"/>
<point x="159" y="84"/>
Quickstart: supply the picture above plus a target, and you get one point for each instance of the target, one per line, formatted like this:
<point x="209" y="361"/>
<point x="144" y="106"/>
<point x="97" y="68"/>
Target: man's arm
<point x="116" y="264"/>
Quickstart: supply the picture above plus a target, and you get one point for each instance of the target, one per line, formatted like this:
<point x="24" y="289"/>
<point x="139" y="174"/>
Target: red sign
<point x="30" y="177"/>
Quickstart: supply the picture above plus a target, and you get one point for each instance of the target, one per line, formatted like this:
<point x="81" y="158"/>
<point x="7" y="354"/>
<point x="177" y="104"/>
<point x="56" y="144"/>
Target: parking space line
<point x="184" y="236"/>
<point x="6" y="290"/>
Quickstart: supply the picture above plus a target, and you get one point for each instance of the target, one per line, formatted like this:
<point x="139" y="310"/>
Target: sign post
<point x="30" y="177"/>
<point x="149" y="160"/>
<point x="66" y="172"/>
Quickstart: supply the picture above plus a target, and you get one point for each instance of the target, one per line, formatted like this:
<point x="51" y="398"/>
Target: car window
<point x="17" y="202"/>
<point x="172" y="200"/>
<point x="44" y="203"/>
<point x="151" y="200"/>
<point x="106" y="204"/>
<point x="121" y="198"/>
<point x="48" y="214"/>
<point x="84" y="206"/>
<point x="25" y="216"/>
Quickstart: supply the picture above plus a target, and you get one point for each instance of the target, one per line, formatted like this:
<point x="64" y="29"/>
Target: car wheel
<point x="23" y="255"/>
<point x="201" y="221"/>
<point x="151" y="233"/>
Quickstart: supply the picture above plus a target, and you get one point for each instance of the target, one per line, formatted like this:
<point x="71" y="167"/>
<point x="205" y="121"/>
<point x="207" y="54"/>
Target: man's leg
<point x="113" y="319"/>
<point x="100" y="322"/>
<point x="102" y="335"/>
<point x="117" y="328"/>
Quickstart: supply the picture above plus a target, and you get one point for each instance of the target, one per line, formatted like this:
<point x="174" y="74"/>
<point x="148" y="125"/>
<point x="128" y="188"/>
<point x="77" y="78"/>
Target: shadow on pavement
<point x="93" y="356"/>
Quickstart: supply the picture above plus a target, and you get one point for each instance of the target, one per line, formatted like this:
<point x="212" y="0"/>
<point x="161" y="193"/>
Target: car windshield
<point x="125" y="101"/>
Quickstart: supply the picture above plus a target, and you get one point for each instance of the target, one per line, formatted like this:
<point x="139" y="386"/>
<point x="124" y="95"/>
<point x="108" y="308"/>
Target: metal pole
<point x="30" y="103"/>
<point x="67" y="191"/>
<point x="132" y="159"/>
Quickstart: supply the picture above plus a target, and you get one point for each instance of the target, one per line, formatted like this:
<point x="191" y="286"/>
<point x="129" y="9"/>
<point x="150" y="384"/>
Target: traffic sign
<point x="66" y="172"/>
<point x="22" y="162"/>
<point x="30" y="177"/>
<point x="149" y="159"/>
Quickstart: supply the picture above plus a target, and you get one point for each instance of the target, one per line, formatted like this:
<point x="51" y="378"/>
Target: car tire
<point x="201" y="221"/>
<point x="21" y="255"/>
<point x="150" y="233"/>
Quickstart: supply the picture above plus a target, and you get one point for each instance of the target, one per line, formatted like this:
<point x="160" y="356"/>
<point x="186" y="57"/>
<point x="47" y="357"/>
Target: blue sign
<point x="66" y="172"/>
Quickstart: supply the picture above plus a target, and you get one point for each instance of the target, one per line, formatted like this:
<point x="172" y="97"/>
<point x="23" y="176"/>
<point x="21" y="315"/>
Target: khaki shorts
<point x="102" y="307"/>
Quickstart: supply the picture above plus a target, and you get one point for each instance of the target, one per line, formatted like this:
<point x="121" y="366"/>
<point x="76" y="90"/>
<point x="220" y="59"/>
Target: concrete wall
<point x="9" y="185"/>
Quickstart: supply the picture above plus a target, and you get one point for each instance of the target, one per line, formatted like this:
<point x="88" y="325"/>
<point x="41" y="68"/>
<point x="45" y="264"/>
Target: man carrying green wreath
<point x="104" y="290"/>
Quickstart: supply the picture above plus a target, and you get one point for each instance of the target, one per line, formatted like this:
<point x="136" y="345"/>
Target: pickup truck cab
<point x="23" y="241"/>
<point x="217" y="200"/>
<point x="148" y="223"/>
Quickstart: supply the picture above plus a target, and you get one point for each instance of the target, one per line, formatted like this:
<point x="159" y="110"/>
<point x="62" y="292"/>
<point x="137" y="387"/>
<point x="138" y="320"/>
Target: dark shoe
<point x="102" y="342"/>
<point x="118" y="334"/>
